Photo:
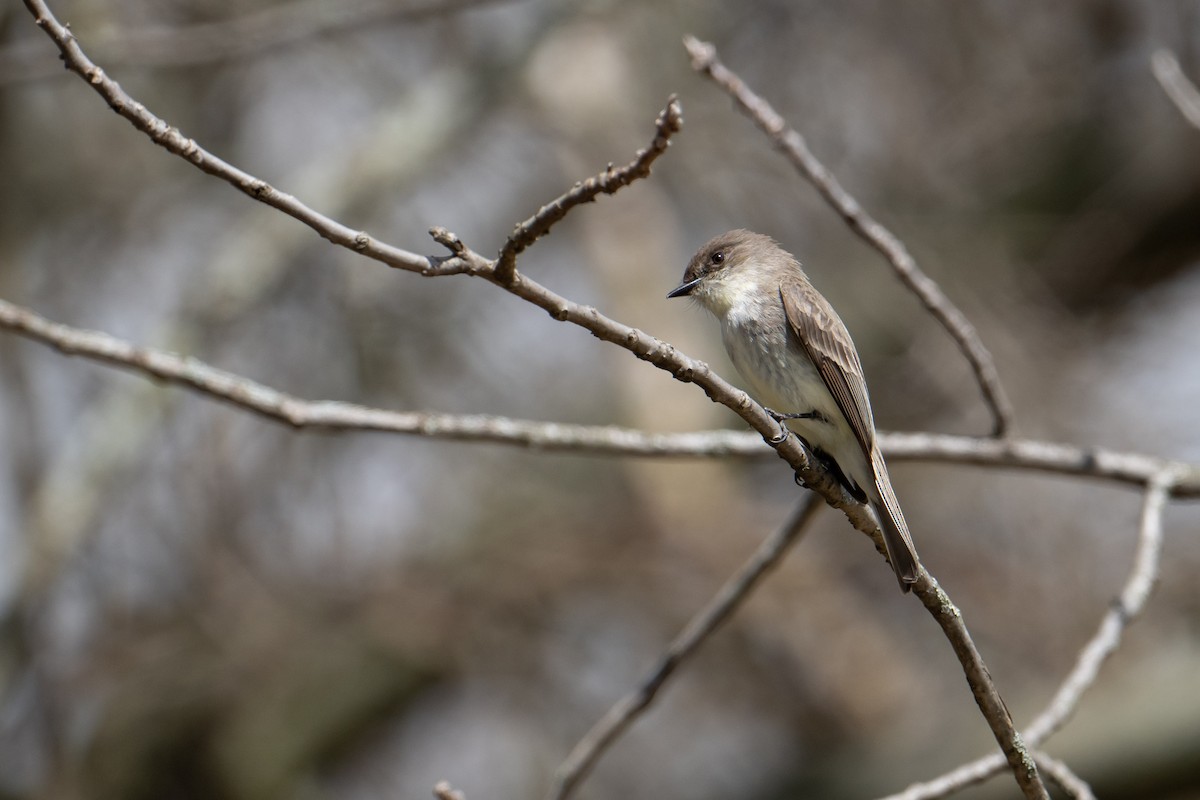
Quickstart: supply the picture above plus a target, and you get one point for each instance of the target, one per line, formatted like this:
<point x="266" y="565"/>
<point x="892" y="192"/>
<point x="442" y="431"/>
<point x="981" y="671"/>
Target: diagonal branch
<point x="788" y="141"/>
<point x="1128" y="605"/>
<point x="1183" y="92"/>
<point x="727" y="600"/>
<point x="610" y="181"/>
<point x="173" y="141"/>
<point x="992" y="706"/>
<point x="1075" y="787"/>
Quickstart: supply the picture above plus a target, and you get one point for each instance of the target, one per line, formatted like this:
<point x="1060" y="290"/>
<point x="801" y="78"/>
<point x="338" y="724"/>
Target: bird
<point x="797" y="357"/>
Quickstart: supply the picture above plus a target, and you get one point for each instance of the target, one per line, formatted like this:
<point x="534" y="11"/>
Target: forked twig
<point x="1128" y="605"/>
<point x="609" y="181"/>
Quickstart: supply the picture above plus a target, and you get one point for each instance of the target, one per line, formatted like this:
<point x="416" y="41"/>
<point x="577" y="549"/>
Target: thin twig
<point x="1128" y="605"/>
<point x="604" y="440"/>
<point x="1065" y="459"/>
<point x="172" y="140"/>
<point x="1075" y="787"/>
<point x="612" y="179"/>
<point x="1183" y="92"/>
<point x="987" y="697"/>
<point x="727" y="600"/>
<point x="788" y="141"/>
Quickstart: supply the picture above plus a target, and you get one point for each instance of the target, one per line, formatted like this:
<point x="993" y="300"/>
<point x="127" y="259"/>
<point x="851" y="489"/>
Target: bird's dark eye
<point x="717" y="258"/>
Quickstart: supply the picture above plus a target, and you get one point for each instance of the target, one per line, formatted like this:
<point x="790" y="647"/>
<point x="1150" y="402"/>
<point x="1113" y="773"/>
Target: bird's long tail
<point x="900" y="549"/>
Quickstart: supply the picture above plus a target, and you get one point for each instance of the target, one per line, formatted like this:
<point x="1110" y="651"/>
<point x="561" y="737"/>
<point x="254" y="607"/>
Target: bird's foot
<point x="778" y="417"/>
<point x="782" y="418"/>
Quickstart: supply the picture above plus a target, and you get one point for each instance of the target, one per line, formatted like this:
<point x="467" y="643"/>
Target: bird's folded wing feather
<point x="824" y="338"/>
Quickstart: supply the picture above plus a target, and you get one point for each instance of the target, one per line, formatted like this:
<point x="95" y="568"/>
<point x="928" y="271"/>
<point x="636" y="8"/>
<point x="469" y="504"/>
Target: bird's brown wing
<point x="825" y="339"/>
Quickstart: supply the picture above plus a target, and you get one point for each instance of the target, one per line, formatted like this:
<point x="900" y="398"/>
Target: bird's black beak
<point x="683" y="289"/>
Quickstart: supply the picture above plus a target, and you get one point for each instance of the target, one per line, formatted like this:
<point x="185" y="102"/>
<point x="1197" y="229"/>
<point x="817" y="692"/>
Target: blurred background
<point x="199" y="603"/>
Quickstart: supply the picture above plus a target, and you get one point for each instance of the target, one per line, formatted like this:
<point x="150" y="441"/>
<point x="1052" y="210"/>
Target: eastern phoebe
<point x="792" y="348"/>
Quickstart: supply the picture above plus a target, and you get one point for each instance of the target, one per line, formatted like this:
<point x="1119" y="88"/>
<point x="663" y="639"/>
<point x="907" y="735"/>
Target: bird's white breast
<point x="781" y="376"/>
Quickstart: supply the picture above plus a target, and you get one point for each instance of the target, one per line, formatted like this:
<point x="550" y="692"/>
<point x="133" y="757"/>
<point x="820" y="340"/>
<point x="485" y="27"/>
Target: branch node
<point x="612" y="179"/>
<point x="1121" y="610"/>
<point x="443" y="791"/>
<point x="703" y="53"/>
<point x="448" y="240"/>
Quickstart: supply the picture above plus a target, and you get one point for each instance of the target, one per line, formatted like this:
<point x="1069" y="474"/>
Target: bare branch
<point x="1075" y="787"/>
<point x="1125" y="609"/>
<point x="727" y="600"/>
<point x="991" y="705"/>
<point x="450" y="241"/>
<point x="1183" y="92"/>
<point x="607" y="440"/>
<point x="1095" y="462"/>
<point x="332" y="415"/>
<point x="172" y="140"/>
<point x="1128" y="605"/>
<point x="788" y="141"/>
<point x="668" y="123"/>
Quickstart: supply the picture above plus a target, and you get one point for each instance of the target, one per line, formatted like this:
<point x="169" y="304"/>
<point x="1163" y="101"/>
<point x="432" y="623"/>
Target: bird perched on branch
<point x="796" y="355"/>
